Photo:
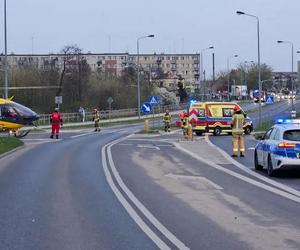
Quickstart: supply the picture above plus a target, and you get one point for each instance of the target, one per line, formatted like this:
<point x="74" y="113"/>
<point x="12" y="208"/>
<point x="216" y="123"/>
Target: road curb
<point x="12" y="151"/>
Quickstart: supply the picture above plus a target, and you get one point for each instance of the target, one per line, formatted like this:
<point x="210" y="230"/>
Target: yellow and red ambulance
<point x="215" y="117"/>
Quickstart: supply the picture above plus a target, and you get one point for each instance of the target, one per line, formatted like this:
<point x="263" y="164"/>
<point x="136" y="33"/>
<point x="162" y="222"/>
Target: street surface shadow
<point x="286" y="173"/>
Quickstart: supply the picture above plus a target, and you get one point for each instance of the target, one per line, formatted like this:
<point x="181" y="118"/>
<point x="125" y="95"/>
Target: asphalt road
<point x="89" y="191"/>
<point x="289" y="176"/>
<point x="203" y="206"/>
<point x="54" y="195"/>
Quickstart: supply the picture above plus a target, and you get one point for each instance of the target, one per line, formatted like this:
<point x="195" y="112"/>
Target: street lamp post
<point x="138" y="72"/>
<point x="289" y="42"/>
<point x="201" y="65"/>
<point x="258" y="60"/>
<point x="5" y="56"/>
<point x="228" y="68"/>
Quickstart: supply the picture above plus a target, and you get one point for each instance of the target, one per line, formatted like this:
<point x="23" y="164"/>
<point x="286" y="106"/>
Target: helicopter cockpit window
<point x="22" y="110"/>
<point x="8" y="111"/>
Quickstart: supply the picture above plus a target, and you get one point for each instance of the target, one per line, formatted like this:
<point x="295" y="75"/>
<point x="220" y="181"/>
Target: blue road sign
<point x="270" y="99"/>
<point x="154" y="99"/>
<point x="146" y="107"/>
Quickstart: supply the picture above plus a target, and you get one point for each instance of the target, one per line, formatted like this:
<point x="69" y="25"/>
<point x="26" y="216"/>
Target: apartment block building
<point x="164" y="69"/>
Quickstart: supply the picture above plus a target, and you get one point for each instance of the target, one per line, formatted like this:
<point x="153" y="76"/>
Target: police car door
<point x="269" y="144"/>
<point x="262" y="147"/>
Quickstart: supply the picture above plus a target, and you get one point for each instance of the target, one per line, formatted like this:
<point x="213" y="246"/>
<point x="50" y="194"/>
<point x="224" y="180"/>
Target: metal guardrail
<point x="105" y="114"/>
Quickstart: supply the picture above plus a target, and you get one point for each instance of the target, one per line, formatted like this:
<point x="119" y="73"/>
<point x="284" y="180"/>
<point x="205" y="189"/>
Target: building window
<point x="168" y="58"/>
<point x="182" y="58"/>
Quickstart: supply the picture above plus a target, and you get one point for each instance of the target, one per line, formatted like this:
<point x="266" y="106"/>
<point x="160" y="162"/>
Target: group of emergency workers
<point x="56" y="122"/>
<point x="238" y="120"/>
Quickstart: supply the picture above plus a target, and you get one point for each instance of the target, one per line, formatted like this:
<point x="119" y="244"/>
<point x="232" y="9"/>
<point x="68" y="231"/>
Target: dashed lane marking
<point x="125" y="144"/>
<point x="149" y="146"/>
<point x="76" y="136"/>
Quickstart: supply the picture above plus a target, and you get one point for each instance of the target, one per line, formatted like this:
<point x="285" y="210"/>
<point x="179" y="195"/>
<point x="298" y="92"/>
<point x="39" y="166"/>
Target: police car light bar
<point x="287" y="121"/>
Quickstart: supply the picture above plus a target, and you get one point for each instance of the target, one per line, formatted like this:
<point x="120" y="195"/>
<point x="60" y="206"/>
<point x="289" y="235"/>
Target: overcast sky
<point x="179" y="26"/>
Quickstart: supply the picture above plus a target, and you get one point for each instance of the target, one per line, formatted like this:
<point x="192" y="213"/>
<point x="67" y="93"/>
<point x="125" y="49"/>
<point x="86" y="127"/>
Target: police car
<point x="279" y="147"/>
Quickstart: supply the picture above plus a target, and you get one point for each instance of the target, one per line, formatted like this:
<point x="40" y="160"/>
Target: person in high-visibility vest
<point x="185" y="124"/>
<point x="167" y="121"/>
<point x="238" y="144"/>
<point x="96" y="119"/>
<point x="182" y="116"/>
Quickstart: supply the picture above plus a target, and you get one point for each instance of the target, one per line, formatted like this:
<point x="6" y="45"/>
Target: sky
<point x="43" y="26"/>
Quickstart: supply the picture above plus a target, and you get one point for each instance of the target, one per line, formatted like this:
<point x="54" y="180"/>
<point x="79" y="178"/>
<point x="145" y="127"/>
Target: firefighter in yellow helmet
<point x="185" y="125"/>
<point x="238" y="120"/>
<point x="96" y="119"/>
<point x="167" y="121"/>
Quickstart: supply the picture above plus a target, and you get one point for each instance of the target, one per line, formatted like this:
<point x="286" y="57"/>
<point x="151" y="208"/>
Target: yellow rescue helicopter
<point x="14" y="116"/>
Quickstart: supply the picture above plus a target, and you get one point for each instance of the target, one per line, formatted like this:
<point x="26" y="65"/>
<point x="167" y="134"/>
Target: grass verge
<point x="9" y="143"/>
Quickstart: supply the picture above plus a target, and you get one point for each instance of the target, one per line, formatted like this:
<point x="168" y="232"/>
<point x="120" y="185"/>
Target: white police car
<point x="279" y="147"/>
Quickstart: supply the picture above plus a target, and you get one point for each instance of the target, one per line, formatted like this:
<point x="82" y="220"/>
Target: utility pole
<point x="5" y="57"/>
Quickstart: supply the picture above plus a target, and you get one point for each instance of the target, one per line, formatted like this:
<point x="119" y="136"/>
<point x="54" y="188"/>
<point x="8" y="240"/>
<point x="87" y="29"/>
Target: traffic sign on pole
<point x="154" y="99"/>
<point x="58" y="99"/>
<point x="270" y="100"/>
<point x="146" y="107"/>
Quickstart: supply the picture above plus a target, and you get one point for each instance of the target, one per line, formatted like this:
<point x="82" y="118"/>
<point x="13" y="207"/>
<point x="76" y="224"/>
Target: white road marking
<point x="37" y="139"/>
<point x="149" y="146"/>
<point x="150" y="140"/>
<point x="76" y="136"/>
<point x="249" y="171"/>
<point x="171" y="237"/>
<point x="251" y="148"/>
<point x="239" y="176"/>
<point x="125" y="144"/>
<point x="138" y="220"/>
<point x="195" y="178"/>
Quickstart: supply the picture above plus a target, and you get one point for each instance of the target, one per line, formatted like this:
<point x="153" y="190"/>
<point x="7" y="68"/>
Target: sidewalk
<point x="114" y="120"/>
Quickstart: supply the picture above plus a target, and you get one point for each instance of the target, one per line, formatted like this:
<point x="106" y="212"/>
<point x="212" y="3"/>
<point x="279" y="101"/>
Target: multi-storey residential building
<point x="163" y="68"/>
<point x="173" y="66"/>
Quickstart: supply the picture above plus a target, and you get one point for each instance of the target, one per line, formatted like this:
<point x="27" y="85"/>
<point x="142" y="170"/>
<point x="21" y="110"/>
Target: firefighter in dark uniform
<point x="238" y="144"/>
<point x="96" y="119"/>
<point x="167" y="121"/>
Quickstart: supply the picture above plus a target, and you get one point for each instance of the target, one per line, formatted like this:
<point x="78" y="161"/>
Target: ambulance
<point x="215" y="117"/>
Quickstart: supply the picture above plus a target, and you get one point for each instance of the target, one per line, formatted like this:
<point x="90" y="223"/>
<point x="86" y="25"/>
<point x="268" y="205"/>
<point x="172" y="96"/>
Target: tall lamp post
<point x="289" y="42"/>
<point x="201" y="64"/>
<point x="228" y="68"/>
<point x="258" y="60"/>
<point x="5" y="56"/>
<point x="138" y="72"/>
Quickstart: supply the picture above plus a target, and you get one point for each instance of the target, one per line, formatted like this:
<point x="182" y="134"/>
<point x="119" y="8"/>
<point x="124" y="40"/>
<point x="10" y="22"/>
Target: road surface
<point x="120" y="190"/>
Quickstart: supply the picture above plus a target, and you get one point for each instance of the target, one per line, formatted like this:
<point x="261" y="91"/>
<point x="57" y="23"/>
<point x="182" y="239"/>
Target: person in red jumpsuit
<point x="56" y="123"/>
